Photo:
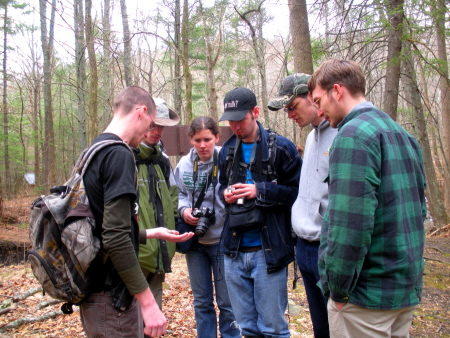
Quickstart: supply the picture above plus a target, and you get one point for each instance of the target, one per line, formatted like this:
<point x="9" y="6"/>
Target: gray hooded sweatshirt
<point x="312" y="199"/>
<point x="185" y="183"/>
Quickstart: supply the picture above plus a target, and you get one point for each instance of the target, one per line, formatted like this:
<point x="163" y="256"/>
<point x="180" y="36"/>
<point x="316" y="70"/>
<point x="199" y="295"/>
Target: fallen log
<point x="26" y="294"/>
<point x="26" y="320"/>
<point x="48" y="303"/>
<point x="3" y="311"/>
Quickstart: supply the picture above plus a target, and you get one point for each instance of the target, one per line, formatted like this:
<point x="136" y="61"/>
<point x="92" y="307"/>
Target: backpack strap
<point x="88" y="154"/>
<point x="268" y="167"/>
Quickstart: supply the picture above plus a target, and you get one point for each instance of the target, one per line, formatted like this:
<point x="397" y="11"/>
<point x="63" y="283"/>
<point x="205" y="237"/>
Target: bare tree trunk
<point x="301" y="42"/>
<point x="49" y="178"/>
<point x="431" y="121"/>
<point x="213" y="49"/>
<point x="106" y="71"/>
<point x="7" y="178"/>
<point x="177" y="66"/>
<point x="345" y="22"/>
<point x="126" y="45"/>
<point x="259" y="49"/>
<point x="185" y="61"/>
<point x="80" y="64"/>
<point x="35" y="113"/>
<point x="444" y="87"/>
<point x="413" y="94"/>
<point x="151" y="59"/>
<point x="395" y="17"/>
<point x="93" y="78"/>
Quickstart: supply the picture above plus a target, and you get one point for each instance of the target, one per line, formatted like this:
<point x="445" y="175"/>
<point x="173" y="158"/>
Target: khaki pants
<point x="100" y="319"/>
<point x="355" y="321"/>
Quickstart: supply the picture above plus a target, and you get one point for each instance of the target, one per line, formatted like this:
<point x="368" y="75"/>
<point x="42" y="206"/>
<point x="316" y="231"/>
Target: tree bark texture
<point x="301" y="42"/>
<point x="35" y="116"/>
<point x="213" y="48"/>
<point x="259" y="49"/>
<point x="7" y="177"/>
<point x="185" y="61"/>
<point x="49" y="154"/>
<point x="126" y="45"/>
<point x="433" y="193"/>
<point x="93" y="75"/>
<point x="80" y="62"/>
<point x="444" y="87"/>
<point x="395" y="29"/>
<point x="177" y="66"/>
<point x="106" y="69"/>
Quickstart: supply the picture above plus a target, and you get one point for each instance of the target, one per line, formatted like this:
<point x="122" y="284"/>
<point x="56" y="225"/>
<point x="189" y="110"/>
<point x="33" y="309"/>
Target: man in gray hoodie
<point x="312" y="200"/>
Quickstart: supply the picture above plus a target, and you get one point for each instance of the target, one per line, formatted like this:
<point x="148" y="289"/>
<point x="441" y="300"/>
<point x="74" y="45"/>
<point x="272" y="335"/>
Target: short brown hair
<point x="344" y="72"/>
<point x="132" y="96"/>
<point x="203" y="122"/>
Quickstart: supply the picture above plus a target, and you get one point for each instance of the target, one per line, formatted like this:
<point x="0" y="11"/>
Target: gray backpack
<point x="61" y="234"/>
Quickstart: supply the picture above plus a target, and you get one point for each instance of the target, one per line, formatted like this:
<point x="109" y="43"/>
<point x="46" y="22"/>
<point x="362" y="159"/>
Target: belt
<point x="250" y="249"/>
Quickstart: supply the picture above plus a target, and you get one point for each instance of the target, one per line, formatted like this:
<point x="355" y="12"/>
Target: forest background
<point x="63" y="61"/>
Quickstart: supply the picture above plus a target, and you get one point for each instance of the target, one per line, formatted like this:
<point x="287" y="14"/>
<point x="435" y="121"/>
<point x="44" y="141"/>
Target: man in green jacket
<point x="157" y="199"/>
<point x="372" y="238"/>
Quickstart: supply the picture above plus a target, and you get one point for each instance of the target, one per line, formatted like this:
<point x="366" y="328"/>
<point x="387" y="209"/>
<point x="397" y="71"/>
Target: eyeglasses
<point x="152" y="124"/>
<point x="288" y="109"/>
<point x="316" y="102"/>
<point x="157" y="126"/>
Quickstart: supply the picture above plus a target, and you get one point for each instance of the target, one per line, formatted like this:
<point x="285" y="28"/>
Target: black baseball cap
<point x="237" y="103"/>
<point x="292" y="86"/>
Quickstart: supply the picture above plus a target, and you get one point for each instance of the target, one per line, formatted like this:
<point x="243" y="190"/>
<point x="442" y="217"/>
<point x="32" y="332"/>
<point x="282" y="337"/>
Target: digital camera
<point x="205" y="218"/>
<point x="240" y="201"/>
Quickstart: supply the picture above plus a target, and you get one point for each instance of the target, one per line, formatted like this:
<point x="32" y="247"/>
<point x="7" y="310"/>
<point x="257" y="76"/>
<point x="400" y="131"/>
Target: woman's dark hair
<point x="203" y="122"/>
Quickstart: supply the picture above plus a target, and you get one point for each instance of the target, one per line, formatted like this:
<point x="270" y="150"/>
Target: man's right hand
<point x="154" y="320"/>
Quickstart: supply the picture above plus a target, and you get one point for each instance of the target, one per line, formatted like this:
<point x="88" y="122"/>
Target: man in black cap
<point x="259" y="174"/>
<point x="312" y="199"/>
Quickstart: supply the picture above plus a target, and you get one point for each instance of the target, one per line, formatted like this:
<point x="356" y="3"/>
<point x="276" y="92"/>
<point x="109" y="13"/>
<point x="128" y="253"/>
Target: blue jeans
<point x="203" y="261"/>
<point x="307" y="256"/>
<point x="259" y="299"/>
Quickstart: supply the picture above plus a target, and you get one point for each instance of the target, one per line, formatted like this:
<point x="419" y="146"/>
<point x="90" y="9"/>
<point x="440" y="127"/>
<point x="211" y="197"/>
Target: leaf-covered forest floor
<point x="431" y="318"/>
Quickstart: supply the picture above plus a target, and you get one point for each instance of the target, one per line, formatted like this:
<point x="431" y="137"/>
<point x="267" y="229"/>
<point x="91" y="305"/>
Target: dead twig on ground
<point x="438" y="230"/>
<point x="3" y="311"/>
<point x="26" y="294"/>
<point x="48" y="303"/>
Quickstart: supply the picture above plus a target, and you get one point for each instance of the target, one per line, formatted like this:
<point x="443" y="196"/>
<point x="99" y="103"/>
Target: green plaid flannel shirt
<point x="372" y="240"/>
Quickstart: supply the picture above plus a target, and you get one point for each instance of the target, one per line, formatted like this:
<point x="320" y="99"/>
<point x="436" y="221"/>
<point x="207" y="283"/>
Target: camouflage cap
<point x="292" y="86"/>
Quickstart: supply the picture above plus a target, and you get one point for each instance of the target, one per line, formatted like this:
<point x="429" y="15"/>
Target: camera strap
<point x="256" y="151"/>
<point x="212" y="179"/>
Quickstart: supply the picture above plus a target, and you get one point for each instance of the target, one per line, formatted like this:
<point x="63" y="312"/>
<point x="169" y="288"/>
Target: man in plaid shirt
<point x="372" y="240"/>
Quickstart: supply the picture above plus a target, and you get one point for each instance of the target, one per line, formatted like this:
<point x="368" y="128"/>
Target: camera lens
<point x="202" y="226"/>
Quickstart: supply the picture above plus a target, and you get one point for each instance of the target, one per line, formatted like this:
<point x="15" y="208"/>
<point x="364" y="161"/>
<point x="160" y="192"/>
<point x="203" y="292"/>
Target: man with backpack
<point x="259" y="174"/>
<point x="158" y="199"/>
<point x="110" y="182"/>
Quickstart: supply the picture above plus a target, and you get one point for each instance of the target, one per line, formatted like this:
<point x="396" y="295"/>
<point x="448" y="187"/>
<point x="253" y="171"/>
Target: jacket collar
<point x="146" y="152"/>
<point x="263" y="140"/>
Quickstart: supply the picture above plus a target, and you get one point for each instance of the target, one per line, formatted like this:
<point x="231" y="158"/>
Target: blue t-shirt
<point x="253" y="237"/>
